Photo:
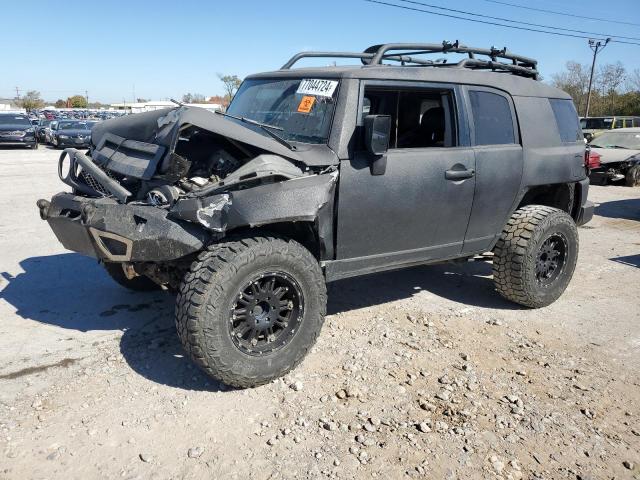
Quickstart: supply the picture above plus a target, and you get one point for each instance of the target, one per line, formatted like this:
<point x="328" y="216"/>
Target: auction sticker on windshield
<point x="317" y="87"/>
<point x="306" y="104"/>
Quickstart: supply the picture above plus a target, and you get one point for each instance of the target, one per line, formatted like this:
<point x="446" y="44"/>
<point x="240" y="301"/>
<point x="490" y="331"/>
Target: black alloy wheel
<point x="551" y="259"/>
<point x="266" y="314"/>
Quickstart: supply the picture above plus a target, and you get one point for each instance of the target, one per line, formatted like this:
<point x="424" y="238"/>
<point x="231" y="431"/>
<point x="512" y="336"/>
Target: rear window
<point x="492" y="119"/>
<point x="598" y="123"/>
<point x="567" y="120"/>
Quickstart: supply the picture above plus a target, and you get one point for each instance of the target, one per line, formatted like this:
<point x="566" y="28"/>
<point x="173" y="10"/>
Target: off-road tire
<point x="632" y="177"/>
<point x="516" y="253"/>
<point x="209" y="288"/>
<point x="137" y="284"/>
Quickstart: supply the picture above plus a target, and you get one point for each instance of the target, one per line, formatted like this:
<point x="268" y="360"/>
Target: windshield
<point x="596" y="123"/>
<point x="75" y="125"/>
<point x="302" y="108"/>
<point x="14" y="120"/>
<point x="630" y="140"/>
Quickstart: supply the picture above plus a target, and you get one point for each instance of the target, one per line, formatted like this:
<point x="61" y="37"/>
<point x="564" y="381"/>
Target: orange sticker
<point x="306" y="104"/>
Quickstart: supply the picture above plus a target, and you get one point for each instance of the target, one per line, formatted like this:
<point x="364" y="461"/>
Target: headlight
<point x="64" y="136"/>
<point x="30" y="130"/>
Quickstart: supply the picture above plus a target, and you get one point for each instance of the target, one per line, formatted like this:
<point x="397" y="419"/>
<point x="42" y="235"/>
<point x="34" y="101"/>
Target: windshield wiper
<point x="264" y="126"/>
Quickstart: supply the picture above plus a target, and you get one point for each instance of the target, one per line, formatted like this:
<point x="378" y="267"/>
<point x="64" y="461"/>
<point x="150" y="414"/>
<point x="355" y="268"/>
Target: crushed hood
<point x="615" y="155"/>
<point x="161" y="127"/>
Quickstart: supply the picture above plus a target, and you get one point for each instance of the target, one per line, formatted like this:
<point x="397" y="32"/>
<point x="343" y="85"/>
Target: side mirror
<point x="377" y="130"/>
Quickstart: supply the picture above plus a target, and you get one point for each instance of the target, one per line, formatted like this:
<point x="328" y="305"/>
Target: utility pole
<point x="18" y="93"/>
<point x="597" y="47"/>
<point x="86" y="96"/>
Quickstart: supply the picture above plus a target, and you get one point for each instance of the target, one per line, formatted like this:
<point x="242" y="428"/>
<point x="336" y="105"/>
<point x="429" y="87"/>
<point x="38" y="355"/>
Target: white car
<point x="619" y="152"/>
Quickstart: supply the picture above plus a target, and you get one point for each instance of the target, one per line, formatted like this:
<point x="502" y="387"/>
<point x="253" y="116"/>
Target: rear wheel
<point x="250" y="309"/>
<point x="536" y="255"/>
<point x="139" y="283"/>
<point x="632" y="177"/>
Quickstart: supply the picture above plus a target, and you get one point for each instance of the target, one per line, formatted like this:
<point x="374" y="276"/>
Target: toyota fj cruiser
<point x="319" y="174"/>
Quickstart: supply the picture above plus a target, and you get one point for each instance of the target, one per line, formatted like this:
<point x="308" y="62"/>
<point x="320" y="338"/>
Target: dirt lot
<point x="422" y="373"/>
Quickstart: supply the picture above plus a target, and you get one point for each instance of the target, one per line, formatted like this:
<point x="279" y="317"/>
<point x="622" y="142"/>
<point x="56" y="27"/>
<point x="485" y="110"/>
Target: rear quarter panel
<point x="547" y="160"/>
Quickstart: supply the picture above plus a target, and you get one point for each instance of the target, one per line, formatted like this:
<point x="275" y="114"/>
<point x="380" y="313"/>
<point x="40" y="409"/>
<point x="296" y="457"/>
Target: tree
<point x="32" y="100"/>
<point x="610" y="78"/>
<point x="77" y="101"/>
<point x="575" y="81"/>
<point x="614" y="91"/>
<point x="142" y="100"/>
<point x="60" y="103"/>
<point x="633" y="81"/>
<point x="231" y="84"/>
<point x="187" y="98"/>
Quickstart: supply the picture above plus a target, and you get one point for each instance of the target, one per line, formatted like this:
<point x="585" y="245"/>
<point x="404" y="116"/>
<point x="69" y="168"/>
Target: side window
<point x="567" y="120"/>
<point x="420" y="118"/>
<point x="492" y="118"/>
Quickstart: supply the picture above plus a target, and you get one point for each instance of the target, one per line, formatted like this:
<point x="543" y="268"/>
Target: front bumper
<point x="74" y="142"/>
<point x="14" y="140"/>
<point x="104" y="229"/>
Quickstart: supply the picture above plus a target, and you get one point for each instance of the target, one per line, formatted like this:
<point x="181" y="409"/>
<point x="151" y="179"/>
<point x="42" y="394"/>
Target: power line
<point x="502" y="19"/>
<point x="485" y="22"/>
<point x="562" y="13"/>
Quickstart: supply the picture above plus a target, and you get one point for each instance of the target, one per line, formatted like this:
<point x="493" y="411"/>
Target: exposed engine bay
<point x="181" y="175"/>
<point x="159" y="186"/>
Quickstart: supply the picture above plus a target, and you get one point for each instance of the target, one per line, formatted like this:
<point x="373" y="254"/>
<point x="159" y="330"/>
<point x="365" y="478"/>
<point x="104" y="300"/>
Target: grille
<point x="93" y="183"/>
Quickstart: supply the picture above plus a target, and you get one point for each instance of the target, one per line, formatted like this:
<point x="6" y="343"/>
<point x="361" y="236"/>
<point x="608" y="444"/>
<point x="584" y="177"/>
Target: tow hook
<point x="43" y="206"/>
<point x="129" y="271"/>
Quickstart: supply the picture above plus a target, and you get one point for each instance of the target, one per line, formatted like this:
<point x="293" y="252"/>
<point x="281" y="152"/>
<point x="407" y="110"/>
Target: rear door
<point x="419" y="208"/>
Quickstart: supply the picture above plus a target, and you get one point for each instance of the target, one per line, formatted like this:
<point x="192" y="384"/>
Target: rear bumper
<point x="107" y="230"/>
<point x="586" y="213"/>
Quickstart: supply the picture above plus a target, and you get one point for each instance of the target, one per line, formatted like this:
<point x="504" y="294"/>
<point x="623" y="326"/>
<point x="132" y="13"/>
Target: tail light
<point x="591" y="159"/>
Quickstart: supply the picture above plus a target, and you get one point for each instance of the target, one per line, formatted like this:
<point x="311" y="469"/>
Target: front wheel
<point x="536" y="255"/>
<point x="632" y="177"/>
<point x="250" y="309"/>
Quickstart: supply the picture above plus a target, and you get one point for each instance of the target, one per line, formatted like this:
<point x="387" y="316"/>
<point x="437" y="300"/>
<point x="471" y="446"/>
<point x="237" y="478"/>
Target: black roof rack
<point x="406" y="54"/>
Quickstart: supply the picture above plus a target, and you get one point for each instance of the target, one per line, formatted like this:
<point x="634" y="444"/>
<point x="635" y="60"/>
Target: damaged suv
<point x="319" y="174"/>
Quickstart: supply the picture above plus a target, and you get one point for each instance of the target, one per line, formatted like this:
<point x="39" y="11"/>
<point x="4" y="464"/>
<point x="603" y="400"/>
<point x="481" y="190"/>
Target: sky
<point x="161" y="49"/>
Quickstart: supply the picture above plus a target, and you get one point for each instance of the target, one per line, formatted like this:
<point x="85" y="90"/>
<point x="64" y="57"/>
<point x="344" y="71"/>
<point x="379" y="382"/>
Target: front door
<point x="419" y="208"/>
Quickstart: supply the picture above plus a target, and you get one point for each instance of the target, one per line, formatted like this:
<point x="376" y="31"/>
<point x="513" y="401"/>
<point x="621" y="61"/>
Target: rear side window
<point x="567" y="120"/>
<point x="492" y="118"/>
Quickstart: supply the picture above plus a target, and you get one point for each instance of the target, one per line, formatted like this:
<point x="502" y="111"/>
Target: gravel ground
<point x="422" y="373"/>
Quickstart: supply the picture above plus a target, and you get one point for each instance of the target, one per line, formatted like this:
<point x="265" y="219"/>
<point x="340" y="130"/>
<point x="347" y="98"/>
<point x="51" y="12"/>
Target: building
<point x="138" y="107"/>
<point x="10" y="105"/>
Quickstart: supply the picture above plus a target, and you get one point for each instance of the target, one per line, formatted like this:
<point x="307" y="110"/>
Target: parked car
<point x="72" y="133"/>
<point x="41" y="130"/>
<point x="619" y="152"/>
<point x="594" y="126"/>
<point x="16" y="129"/>
<point x="320" y="174"/>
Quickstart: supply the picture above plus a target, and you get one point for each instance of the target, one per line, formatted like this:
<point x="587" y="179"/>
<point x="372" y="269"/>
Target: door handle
<point x="459" y="174"/>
